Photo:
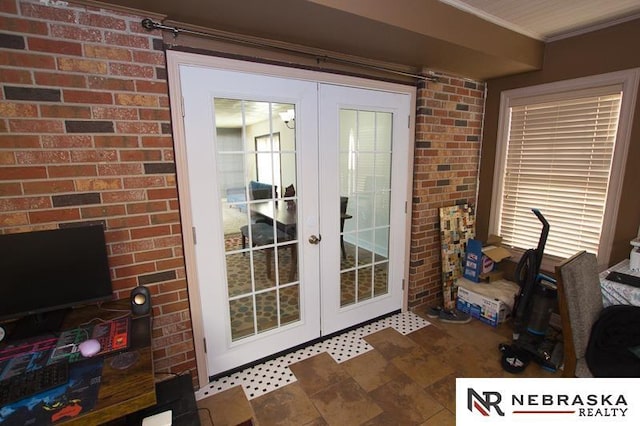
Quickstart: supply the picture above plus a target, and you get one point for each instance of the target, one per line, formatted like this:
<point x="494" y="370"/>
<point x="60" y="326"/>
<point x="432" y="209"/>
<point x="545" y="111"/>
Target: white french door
<point x="299" y="228"/>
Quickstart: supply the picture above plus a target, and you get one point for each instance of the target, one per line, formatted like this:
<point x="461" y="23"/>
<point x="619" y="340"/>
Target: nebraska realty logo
<point x="554" y="401"/>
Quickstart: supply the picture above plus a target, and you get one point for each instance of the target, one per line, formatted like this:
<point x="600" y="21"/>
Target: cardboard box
<point x="490" y="303"/>
<point x="481" y="260"/>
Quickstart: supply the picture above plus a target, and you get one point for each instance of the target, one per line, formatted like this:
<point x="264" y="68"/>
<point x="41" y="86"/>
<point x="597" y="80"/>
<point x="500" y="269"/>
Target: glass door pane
<point x="365" y="187"/>
<point x="256" y="154"/>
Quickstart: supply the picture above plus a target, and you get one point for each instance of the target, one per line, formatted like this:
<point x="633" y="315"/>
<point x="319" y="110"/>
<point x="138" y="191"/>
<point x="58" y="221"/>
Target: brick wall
<point x="447" y="155"/>
<point x="85" y="137"/>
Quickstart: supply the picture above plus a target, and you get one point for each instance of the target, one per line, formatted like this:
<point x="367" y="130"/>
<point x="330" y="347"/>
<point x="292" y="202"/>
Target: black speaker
<point x="140" y="301"/>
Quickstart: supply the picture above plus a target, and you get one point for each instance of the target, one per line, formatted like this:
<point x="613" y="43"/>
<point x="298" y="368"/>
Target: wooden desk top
<point x="126" y="391"/>
<point x="279" y="212"/>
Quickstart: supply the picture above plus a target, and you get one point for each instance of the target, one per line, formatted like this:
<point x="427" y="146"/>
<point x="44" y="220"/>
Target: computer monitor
<point x="43" y="273"/>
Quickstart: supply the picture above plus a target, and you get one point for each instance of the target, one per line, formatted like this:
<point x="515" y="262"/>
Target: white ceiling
<point x="550" y="20"/>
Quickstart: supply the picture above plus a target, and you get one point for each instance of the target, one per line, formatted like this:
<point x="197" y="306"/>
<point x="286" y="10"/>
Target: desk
<point x="121" y="392"/>
<point x="286" y="217"/>
<point x="614" y="293"/>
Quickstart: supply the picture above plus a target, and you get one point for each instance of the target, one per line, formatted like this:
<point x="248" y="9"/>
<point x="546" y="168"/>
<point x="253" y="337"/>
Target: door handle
<point x="315" y="240"/>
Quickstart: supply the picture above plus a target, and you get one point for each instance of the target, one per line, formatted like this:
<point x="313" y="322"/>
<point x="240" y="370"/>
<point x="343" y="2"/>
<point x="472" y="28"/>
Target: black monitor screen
<point x="47" y="270"/>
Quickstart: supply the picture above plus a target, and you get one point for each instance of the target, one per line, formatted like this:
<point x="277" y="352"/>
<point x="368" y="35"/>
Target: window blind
<point x="558" y="160"/>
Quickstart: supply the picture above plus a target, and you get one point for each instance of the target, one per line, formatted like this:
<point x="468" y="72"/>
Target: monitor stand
<point x="39" y="324"/>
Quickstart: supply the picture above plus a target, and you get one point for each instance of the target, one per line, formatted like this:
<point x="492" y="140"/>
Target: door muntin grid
<point x="365" y="139"/>
<point x="256" y="162"/>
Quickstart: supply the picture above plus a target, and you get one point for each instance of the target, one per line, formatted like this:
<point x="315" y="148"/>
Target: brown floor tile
<point x="443" y="418"/>
<point x="371" y="370"/>
<point x="388" y="419"/>
<point x="468" y="361"/>
<point x="423" y="368"/>
<point x="318" y="372"/>
<point x="345" y="403"/>
<point x="444" y="391"/>
<point x="390" y="343"/>
<point x="435" y="340"/>
<point x="289" y="405"/>
<point x="228" y="408"/>
<point x="406" y="401"/>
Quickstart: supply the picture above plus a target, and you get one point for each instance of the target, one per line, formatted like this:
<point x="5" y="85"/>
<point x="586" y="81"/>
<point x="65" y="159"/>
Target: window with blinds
<point x="562" y="149"/>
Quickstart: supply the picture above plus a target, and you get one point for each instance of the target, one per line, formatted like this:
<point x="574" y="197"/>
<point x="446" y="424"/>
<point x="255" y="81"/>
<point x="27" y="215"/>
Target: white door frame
<point x="174" y="60"/>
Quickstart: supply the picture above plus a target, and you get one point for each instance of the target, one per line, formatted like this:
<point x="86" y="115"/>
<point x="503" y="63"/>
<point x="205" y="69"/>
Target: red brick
<point x="8" y="7"/>
<point x="36" y="126"/>
<point x="116" y="142"/>
<point x="101" y="21"/>
<point x="135" y="270"/>
<point x="136" y="100"/>
<point x="154" y="231"/>
<point x="149" y="57"/>
<point x="7" y="158"/>
<point x="174" y="263"/>
<point x="48" y="13"/>
<point x="132" y="246"/>
<point x="128" y="222"/>
<point x="76" y="33"/>
<point x="122" y="196"/>
<point x="157" y="142"/>
<point x="87" y="97"/>
<point x="153" y="255"/>
<point x="108" y="83"/>
<point x="98" y="184"/>
<point x="154" y="114"/>
<point x="120" y="169"/>
<point x="60" y="79"/>
<point x="20" y="25"/>
<point x="64" y="111"/>
<point x="72" y="171"/>
<point x="10" y="189"/>
<point x="14" y="219"/>
<point x="26" y="60"/>
<point x="19" y="141"/>
<point x="132" y="70"/>
<point x="82" y="65"/>
<point x="55" y="215"/>
<point x="125" y="259"/>
<point x="25" y="203"/>
<point x="94" y="156"/>
<point x="138" y="127"/>
<point x="138" y="208"/>
<point x="128" y="40"/>
<point x="144" y="182"/>
<point x="107" y="52"/>
<point x="114" y="113"/>
<point x="54" y="46"/>
<point x="8" y="75"/>
<point x="140" y="155"/>
<point x="66" y="141"/>
<point x="42" y="157"/>
<point x="48" y="187"/>
<point x="102" y="211"/>
<point x="15" y="109"/>
<point x="147" y="86"/>
<point x="172" y="217"/>
<point x="21" y="173"/>
<point x="124" y="284"/>
<point x="162" y="194"/>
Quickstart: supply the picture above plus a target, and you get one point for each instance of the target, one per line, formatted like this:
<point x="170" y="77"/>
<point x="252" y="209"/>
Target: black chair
<point x="343" y="216"/>
<point x="262" y="234"/>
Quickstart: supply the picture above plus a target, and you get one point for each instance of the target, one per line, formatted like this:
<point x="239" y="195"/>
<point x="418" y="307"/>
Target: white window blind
<point x="558" y="159"/>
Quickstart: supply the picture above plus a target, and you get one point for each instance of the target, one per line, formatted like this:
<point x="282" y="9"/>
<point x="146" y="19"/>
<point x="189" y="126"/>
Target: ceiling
<point x="479" y="39"/>
<point x="551" y="19"/>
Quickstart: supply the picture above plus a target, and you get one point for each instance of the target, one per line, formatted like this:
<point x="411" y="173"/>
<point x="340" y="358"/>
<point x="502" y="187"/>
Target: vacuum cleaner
<point x="531" y="313"/>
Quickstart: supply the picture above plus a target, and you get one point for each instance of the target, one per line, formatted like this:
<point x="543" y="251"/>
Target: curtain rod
<point x="150" y="25"/>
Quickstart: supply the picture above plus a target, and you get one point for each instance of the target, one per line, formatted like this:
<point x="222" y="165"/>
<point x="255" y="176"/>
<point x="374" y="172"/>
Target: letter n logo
<point x="483" y="404"/>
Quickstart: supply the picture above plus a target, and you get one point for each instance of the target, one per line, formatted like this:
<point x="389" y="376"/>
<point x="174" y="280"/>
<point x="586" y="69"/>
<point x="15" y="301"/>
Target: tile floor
<point x="406" y="379"/>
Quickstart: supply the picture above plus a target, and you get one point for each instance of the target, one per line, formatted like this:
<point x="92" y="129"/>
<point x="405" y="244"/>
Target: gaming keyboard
<point x="33" y="382"/>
